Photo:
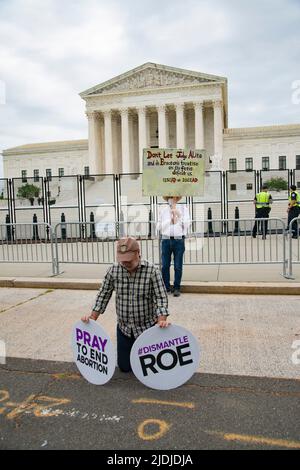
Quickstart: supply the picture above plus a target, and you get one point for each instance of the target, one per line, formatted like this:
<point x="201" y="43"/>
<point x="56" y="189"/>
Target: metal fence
<point x="95" y="243"/>
<point x="293" y="246"/>
<point x="208" y="242"/>
<point x="27" y="243"/>
<point x="120" y="197"/>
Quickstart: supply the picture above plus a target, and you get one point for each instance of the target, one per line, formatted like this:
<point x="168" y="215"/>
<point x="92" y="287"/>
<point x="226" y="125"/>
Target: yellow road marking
<point x="36" y="404"/>
<point x="66" y="376"/>
<point x="258" y="440"/>
<point x="152" y="401"/>
<point x="4" y="395"/>
<point x="163" y="428"/>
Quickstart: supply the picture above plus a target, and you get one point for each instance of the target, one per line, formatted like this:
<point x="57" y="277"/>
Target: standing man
<point x="173" y="223"/>
<point x="293" y="209"/>
<point x="141" y="298"/>
<point x="262" y="201"/>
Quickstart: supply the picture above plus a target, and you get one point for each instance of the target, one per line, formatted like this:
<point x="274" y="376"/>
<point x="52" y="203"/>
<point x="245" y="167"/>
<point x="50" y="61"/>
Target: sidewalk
<point x="238" y="334"/>
<point x="245" y="394"/>
<point x="206" y="273"/>
<point x="219" y="279"/>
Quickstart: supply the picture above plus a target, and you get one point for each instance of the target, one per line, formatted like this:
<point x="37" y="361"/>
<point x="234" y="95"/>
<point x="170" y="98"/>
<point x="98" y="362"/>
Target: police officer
<point x="293" y="209"/>
<point x="262" y="201"/>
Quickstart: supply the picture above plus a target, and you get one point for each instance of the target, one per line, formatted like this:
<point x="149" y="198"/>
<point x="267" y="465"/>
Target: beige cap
<point x="127" y="248"/>
<point x="172" y="197"/>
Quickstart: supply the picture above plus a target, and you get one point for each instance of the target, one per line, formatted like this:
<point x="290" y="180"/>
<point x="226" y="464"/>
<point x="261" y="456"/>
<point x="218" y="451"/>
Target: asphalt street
<point x="48" y="405"/>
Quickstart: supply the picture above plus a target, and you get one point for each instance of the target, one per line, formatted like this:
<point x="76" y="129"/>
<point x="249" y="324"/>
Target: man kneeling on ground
<point x="141" y="298"/>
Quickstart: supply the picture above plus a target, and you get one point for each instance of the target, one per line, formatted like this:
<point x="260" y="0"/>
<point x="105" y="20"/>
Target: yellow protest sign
<point x="173" y="172"/>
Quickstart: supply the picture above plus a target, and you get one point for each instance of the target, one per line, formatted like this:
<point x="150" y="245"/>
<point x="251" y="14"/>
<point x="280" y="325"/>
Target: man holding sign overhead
<point x="141" y="298"/>
<point x="173" y="224"/>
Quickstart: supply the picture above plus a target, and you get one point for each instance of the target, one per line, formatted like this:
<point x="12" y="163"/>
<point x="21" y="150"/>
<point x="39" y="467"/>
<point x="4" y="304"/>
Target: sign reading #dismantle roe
<point x="173" y="172"/>
<point x="165" y="358"/>
<point x="93" y="352"/>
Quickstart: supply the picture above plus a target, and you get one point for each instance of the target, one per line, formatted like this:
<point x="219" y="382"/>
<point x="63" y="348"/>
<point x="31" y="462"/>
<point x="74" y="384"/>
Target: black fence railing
<point x="119" y="197"/>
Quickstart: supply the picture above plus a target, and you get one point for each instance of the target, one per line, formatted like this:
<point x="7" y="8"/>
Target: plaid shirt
<point x="140" y="298"/>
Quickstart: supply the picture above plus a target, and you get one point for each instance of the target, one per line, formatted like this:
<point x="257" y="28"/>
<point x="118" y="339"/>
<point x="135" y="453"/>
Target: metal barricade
<point x="27" y="243"/>
<point x="293" y="246"/>
<point x="230" y="241"/>
<point x="208" y="242"/>
<point x="88" y="243"/>
<point x="225" y="241"/>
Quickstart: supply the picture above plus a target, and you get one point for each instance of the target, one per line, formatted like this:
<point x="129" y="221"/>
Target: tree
<point x="277" y="184"/>
<point x="29" y="191"/>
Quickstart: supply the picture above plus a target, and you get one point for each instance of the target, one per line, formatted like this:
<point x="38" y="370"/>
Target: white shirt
<point x="177" y="230"/>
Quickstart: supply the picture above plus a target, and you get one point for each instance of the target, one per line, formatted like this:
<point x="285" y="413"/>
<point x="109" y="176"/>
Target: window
<point x="36" y="175"/>
<point x="249" y="186"/>
<point x="232" y="164"/>
<point x="233" y="187"/>
<point x="265" y="163"/>
<point x="61" y="172"/>
<point x="86" y="170"/>
<point x="24" y="176"/>
<point x="249" y="164"/>
<point x="282" y="162"/>
<point x="297" y="162"/>
<point x="49" y="174"/>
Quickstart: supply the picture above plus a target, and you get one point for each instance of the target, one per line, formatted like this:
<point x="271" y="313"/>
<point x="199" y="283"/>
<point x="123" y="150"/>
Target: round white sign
<point x="93" y="352"/>
<point x="165" y="358"/>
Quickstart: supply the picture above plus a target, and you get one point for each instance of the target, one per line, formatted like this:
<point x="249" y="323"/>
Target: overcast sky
<point x="51" y="50"/>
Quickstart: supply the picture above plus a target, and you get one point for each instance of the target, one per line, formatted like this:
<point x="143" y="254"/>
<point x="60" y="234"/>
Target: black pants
<point x="124" y="345"/>
<point x="294" y="212"/>
<point x="176" y="247"/>
<point x="261" y="213"/>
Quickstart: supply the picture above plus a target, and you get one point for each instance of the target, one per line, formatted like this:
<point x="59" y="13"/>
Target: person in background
<point x="293" y="209"/>
<point x="141" y="298"/>
<point x="173" y="224"/>
<point x="262" y="201"/>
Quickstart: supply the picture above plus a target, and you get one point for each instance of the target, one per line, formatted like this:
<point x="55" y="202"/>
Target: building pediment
<point x="151" y="76"/>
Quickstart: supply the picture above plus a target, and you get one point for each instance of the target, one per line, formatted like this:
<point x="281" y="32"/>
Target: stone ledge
<point x="249" y="288"/>
<point x="7" y="281"/>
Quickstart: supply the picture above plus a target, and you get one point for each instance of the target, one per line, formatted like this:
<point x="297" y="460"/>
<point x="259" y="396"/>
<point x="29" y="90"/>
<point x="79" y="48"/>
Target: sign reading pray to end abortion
<point x="93" y="352"/>
<point x="165" y="358"/>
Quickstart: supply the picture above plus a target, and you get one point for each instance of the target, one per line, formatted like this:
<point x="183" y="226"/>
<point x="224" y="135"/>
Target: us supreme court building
<point x="157" y="106"/>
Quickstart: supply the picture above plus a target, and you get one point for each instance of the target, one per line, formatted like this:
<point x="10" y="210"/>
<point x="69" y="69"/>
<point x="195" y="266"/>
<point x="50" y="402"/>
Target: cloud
<point x="50" y="51"/>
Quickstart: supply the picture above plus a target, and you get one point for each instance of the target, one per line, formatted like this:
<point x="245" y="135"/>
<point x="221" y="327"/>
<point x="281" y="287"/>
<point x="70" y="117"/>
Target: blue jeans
<point x="176" y="247"/>
<point x="124" y="345"/>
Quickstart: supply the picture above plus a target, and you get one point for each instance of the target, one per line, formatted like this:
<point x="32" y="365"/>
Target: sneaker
<point x="176" y="293"/>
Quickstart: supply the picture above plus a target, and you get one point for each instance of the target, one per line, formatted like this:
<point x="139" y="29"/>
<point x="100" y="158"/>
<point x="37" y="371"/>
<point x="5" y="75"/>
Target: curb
<point x="249" y="288"/>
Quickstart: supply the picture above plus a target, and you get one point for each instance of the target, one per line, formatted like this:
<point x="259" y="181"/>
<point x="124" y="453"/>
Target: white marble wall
<point x="273" y="147"/>
<point x="73" y="163"/>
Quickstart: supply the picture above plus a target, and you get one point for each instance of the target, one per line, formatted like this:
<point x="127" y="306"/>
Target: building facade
<point x="157" y="106"/>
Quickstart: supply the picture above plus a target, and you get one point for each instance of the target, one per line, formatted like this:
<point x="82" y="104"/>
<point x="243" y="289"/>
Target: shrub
<point x="29" y="191"/>
<point x="277" y="184"/>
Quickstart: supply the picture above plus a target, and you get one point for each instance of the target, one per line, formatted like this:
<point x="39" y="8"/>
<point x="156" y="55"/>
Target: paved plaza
<point x="244" y="395"/>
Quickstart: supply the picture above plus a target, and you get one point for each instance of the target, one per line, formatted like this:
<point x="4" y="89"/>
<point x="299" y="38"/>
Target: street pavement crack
<point x="244" y="390"/>
<point x="26" y="301"/>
